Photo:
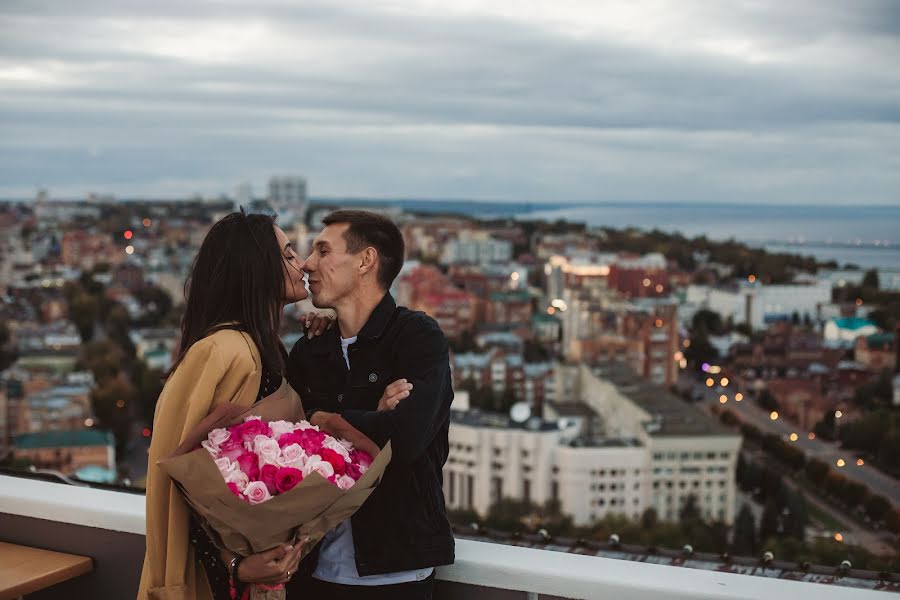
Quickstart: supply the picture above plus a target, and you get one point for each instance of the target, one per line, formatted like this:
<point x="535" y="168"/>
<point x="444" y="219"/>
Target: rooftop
<point x="672" y="415"/>
<point x="63" y="439"/>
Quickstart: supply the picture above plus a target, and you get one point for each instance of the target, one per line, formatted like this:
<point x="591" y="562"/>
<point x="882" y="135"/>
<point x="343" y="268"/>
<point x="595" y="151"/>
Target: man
<point x="390" y="547"/>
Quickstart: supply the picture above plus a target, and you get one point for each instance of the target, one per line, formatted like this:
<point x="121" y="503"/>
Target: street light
<point x="724" y="382"/>
<point x="774" y="415"/>
<point x="723" y="399"/>
<point x="811" y="436"/>
<point x="710" y="382"/>
<point x="794" y="437"/>
<point x="860" y="462"/>
<point x="738" y="397"/>
<point x="840" y="462"/>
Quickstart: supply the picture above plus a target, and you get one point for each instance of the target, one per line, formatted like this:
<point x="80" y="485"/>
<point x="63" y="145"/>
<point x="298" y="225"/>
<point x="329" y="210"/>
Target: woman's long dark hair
<point x="237" y="282"/>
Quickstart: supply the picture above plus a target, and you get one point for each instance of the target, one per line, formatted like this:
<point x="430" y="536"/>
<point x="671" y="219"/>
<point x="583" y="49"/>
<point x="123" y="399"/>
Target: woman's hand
<point x="393" y="394"/>
<point x="316" y="323"/>
<point x="272" y="567"/>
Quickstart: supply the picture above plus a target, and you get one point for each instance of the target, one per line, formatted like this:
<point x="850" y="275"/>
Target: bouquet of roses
<point x="262" y="477"/>
<point x="260" y="460"/>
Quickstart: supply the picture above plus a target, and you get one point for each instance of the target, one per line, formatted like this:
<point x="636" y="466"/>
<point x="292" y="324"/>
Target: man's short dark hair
<point x="371" y="229"/>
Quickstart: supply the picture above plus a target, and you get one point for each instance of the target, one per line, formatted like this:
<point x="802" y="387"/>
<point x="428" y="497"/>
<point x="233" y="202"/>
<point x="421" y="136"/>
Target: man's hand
<point x="317" y="323"/>
<point x="393" y="394"/>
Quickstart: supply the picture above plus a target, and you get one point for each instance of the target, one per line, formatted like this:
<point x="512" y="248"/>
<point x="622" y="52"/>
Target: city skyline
<point x="576" y="102"/>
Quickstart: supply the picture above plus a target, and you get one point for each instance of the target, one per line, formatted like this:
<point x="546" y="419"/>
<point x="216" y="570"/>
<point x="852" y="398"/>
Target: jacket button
<point x="373" y="377"/>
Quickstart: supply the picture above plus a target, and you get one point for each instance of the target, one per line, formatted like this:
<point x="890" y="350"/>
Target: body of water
<point x="868" y="236"/>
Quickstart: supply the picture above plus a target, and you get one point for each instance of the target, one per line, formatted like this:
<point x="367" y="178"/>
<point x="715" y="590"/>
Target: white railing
<point x="477" y="563"/>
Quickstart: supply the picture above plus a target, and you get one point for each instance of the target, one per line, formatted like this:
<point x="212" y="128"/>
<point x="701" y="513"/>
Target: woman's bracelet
<point x="233" y="565"/>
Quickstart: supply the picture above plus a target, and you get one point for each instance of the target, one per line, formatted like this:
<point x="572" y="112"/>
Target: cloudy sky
<point x="739" y="101"/>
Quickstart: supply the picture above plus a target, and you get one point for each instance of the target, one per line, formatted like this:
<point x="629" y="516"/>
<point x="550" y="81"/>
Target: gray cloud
<point x="738" y="101"/>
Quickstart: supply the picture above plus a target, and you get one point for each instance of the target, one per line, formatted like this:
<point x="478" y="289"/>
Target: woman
<point x="244" y="273"/>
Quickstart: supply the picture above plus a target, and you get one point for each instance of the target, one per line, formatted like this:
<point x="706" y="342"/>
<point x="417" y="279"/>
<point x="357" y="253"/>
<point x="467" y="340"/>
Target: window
<point x="526" y="490"/>
<point x="496" y="489"/>
<point x="470" y="491"/>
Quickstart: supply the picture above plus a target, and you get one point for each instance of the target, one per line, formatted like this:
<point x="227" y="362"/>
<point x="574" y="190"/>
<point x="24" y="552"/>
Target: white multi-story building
<point x="287" y="195"/>
<point x="759" y="304"/>
<point x="639" y="447"/>
<point x="477" y="248"/>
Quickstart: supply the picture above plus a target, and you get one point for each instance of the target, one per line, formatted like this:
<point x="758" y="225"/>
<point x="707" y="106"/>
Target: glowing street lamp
<point x="774" y="415"/>
<point x="738" y="397"/>
<point x="840" y="462"/>
<point x="794" y="437"/>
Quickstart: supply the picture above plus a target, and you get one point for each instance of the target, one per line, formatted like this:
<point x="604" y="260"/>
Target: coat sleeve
<point x="423" y="359"/>
<point x="169" y="570"/>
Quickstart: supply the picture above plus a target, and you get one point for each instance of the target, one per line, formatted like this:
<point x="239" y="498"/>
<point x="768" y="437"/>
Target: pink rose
<point x="257" y="492"/>
<point x="354" y="471"/>
<point x="292" y="455"/>
<point x="249" y="464"/>
<point x="267" y="449"/>
<point x="361" y="458"/>
<point x="287" y="478"/>
<point x="337" y="446"/>
<point x="217" y="437"/>
<point x="344" y="482"/>
<point x="238" y="478"/>
<point x="289" y="438"/>
<point x="311" y="440"/>
<point x="234" y="490"/>
<point x="231" y="449"/>
<point x="225" y="465"/>
<point x="279" y="428"/>
<point x="249" y="429"/>
<point x="337" y="461"/>
<point x="315" y="464"/>
<point x="267" y="476"/>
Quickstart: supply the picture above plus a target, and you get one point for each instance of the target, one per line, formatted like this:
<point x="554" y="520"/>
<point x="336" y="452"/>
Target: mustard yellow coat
<point x="223" y="367"/>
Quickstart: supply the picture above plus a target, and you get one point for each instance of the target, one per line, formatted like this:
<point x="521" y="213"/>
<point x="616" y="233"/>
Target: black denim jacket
<point x="403" y="525"/>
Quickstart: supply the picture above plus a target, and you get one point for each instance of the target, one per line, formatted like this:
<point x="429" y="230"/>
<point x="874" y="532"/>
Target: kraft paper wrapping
<point x="311" y="509"/>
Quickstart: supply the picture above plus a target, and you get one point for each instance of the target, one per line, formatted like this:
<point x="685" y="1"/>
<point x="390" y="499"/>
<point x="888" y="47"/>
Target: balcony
<point x="109" y="527"/>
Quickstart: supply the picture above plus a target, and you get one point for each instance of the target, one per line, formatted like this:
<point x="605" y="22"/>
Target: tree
<point x="84" y="310"/>
<point x="507" y="514"/>
<point x="870" y="279"/>
<point x="102" y="358"/>
<point x="111" y="400"/>
<point x="690" y="511"/>
<point x="7" y="356"/>
<point x="700" y="350"/>
<point x="744" y="542"/>
<point x="769" y="525"/>
<point x="708" y="321"/>
<point x="877" y="507"/>
<point x="796" y="515"/>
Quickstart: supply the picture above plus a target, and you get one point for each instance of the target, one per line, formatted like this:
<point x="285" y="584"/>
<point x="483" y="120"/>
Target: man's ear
<point x="368" y="260"/>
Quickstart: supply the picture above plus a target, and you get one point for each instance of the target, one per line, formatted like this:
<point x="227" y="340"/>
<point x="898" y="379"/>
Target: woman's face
<point x="294" y="288"/>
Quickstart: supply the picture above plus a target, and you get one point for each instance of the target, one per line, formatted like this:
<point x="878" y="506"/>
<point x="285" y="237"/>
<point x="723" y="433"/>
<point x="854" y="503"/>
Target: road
<point x="824" y="450"/>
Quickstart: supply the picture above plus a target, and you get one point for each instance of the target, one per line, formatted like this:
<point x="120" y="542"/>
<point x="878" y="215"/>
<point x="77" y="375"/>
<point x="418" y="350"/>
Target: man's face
<point x="333" y="274"/>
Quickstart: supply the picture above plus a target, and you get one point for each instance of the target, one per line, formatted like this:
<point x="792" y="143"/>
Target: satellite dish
<point x="520" y="412"/>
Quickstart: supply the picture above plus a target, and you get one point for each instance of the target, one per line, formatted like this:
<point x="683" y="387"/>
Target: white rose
<point x="257" y="492"/>
<point x="252" y="418"/>
<point x="292" y="455"/>
<point x="267" y="449"/>
<point x="225" y="465"/>
<point x="303" y="425"/>
<point x="211" y="448"/>
<point x="315" y="464"/>
<point x="346" y="444"/>
<point x="238" y="478"/>
<point x="344" y="482"/>
<point x="217" y="437"/>
<point x="279" y="428"/>
<point x="335" y="445"/>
